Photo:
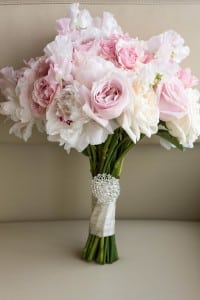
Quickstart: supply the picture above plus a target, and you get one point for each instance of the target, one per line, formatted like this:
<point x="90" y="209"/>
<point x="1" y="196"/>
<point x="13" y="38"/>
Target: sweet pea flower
<point x="168" y="46"/>
<point x="62" y="26"/>
<point x="59" y="53"/>
<point x="80" y="19"/>
<point x="109" y="25"/>
<point x="172" y="99"/>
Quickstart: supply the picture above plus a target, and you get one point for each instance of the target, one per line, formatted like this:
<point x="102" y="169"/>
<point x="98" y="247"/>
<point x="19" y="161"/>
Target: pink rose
<point x="108" y="98"/>
<point x="43" y="92"/>
<point x="123" y="51"/>
<point x="186" y="77"/>
<point x="127" y="57"/>
<point x="172" y="99"/>
<point x="108" y="47"/>
<point x="129" y="52"/>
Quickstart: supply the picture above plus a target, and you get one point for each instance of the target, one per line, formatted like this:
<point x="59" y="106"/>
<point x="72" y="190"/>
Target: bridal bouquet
<point x="100" y="91"/>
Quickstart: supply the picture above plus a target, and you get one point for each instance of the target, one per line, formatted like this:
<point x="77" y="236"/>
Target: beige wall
<point x="39" y="180"/>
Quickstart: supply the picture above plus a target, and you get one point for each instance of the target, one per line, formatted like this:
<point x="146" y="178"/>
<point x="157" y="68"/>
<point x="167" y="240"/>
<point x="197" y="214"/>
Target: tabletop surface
<point x="159" y="260"/>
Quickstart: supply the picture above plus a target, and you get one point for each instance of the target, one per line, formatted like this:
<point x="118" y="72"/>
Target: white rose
<point x="187" y="129"/>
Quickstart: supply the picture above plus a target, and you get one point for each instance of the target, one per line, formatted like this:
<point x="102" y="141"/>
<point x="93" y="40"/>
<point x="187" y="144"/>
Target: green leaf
<point x="171" y="139"/>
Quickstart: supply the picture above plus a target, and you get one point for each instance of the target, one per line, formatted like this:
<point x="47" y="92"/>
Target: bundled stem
<point x="106" y="158"/>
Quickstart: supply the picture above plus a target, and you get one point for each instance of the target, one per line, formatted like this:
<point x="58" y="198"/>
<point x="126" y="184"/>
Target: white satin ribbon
<point x="105" y="192"/>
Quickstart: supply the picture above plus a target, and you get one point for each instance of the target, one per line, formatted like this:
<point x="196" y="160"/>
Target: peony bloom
<point x="68" y="124"/>
<point x="142" y="115"/>
<point x="172" y="99"/>
<point x="91" y="70"/>
<point x="8" y="82"/>
<point x="17" y="86"/>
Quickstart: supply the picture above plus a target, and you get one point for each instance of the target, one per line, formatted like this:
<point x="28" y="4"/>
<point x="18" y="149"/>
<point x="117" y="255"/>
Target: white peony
<point x="14" y="107"/>
<point x="69" y="125"/>
<point x="142" y="115"/>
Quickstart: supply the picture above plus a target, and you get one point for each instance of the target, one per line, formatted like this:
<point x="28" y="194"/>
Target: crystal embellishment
<point x="105" y="188"/>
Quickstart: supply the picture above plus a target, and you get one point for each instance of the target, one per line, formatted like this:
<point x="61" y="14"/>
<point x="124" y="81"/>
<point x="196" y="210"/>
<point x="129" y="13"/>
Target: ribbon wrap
<point x="105" y="192"/>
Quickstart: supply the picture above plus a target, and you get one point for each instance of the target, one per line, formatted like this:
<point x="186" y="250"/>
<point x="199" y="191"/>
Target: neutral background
<point x="38" y="180"/>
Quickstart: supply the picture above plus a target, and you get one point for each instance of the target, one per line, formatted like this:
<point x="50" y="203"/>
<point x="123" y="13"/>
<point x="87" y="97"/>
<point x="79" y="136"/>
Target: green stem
<point x="105" y="249"/>
<point x="85" y="249"/>
<point x="104" y="153"/>
<point x="119" y="163"/>
<point x="92" y="250"/>
<point x="94" y="158"/>
<point x="109" y="156"/>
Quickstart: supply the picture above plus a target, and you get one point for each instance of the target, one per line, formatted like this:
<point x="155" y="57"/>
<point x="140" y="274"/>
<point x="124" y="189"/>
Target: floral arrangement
<point x="100" y="91"/>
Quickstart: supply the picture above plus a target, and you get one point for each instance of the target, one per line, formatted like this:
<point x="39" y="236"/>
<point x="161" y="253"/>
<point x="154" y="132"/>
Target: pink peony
<point x="172" y="99"/>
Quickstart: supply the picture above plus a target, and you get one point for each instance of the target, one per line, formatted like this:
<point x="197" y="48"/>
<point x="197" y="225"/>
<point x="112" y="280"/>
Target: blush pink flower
<point x="108" y="98"/>
<point x="122" y="51"/>
<point x="43" y="92"/>
<point x="108" y="47"/>
<point x="172" y="99"/>
<point x="62" y="26"/>
<point x="186" y="77"/>
<point x="127" y="54"/>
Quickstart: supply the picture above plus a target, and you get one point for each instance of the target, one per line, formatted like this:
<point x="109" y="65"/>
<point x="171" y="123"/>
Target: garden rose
<point x="123" y="51"/>
<point x="187" y="128"/>
<point x="108" y="97"/>
<point x="172" y="99"/>
<point x="43" y="92"/>
<point x="129" y="52"/>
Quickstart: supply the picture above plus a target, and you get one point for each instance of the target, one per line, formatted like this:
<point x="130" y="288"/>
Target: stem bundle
<point x="106" y="158"/>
